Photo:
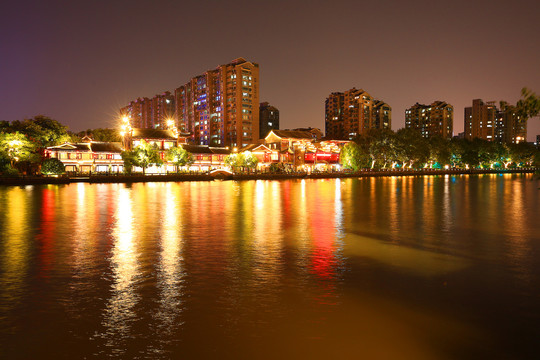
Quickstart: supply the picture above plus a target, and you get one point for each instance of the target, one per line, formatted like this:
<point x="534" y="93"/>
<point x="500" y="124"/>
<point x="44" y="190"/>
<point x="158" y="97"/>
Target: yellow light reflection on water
<point x="15" y="245"/>
<point x="124" y="266"/>
<point x="171" y="264"/>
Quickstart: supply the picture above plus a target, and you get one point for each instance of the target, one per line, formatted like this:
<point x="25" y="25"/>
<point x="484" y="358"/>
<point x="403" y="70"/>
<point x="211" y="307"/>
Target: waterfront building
<point x="268" y="119"/>
<point x="355" y="112"/>
<point x="163" y="139"/>
<point x="431" y="120"/>
<point x="221" y="107"/>
<point x="480" y="120"/>
<point x="303" y="150"/>
<point x="88" y="156"/>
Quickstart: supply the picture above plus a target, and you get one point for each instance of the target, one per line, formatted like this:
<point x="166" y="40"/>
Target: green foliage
<point x="52" y="166"/>
<point x="529" y="105"/>
<point x="249" y="160"/>
<point x="129" y="161"/>
<point x="142" y="156"/>
<point x="105" y="135"/>
<point x="17" y="148"/>
<point x="179" y="156"/>
<point x="353" y="156"/>
<point x="42" y="131"/>
<point x="411" y="148"/>
<point x="241" y="161"/>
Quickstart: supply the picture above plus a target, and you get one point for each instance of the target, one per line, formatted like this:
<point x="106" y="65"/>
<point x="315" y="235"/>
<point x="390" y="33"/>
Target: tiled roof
<point x="153" y="134"/>
<point x="205" y="149"/>
<point x="291" y="134"/>
<point x="110" y="147"/>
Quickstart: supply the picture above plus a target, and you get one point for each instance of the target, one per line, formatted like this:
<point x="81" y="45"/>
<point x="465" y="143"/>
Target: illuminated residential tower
<point x="353" y="113"/>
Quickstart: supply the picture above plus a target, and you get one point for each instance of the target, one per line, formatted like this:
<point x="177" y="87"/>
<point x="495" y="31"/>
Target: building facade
<point x="480" y="120"/>
<point x="436" y="119"/>
<point x="486" y="121"/>
<point x="221" y="107"/>
<point x="145" y="113"/>
<point x="88" y="157"/>
<point x="268" y="119"/>
<point x="510" y="128"/>
<point x="355" y="112"/>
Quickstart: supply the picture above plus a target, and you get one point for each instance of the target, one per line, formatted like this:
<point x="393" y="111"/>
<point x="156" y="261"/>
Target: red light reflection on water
<point x="47" y="229"/>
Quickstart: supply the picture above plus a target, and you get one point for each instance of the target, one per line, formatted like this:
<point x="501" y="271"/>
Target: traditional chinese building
<point x="88" y="157"/>
<point x="298" y="150"/>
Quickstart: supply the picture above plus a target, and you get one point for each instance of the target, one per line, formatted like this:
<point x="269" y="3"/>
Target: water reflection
<point x="167" y="319"/>
<point x="15" y="248"/>
<point x="168" y="269"/>
<point x="119" y="314"/>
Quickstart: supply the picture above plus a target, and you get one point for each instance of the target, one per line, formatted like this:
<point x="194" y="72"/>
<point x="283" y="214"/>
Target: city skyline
<point x="80" y="63"/>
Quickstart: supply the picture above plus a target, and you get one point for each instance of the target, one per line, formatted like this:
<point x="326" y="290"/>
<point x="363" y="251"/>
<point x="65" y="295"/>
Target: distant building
<point x="151" y="113"/>
<point x="355" y="112"/>
<point x="436" y="119"/>
<point x="268" y="119"/>
<point x="221" y="106"/>
<point x="480" y="120"/>
<point x="510" y="128"/>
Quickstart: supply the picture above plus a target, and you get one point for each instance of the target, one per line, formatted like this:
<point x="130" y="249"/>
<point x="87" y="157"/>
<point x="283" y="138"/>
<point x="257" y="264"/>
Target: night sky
<point x="80" y="61"/>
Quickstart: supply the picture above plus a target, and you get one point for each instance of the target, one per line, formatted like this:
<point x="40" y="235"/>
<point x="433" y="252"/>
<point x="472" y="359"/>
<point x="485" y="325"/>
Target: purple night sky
<point x="79" y="61"/>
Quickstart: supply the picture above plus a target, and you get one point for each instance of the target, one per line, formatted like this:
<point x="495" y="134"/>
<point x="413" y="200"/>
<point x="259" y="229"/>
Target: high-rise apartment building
<point x="510" y="128"/>
<point x="480" y="120"/>
<point x="354" y="112"/>
<point x="436" y="119"/>
<point x="485" y="121"/>
<point x="221" y="106"/>
<point x="268" y="119"/>
<point x="151" y="113"/>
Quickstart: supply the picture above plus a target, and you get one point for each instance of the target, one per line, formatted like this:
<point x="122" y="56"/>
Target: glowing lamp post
<point x="126" y="131"/>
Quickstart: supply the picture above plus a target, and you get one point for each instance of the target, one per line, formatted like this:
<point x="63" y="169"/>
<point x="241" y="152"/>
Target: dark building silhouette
<point x="268" y="119"/>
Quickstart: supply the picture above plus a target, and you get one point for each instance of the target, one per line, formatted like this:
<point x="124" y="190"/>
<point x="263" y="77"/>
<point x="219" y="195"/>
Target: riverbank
<point x="38" y="180"/>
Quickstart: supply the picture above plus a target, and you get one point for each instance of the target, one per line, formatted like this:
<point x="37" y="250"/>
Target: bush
<point x="9" y="171"/>
<point x="52" y="167"/>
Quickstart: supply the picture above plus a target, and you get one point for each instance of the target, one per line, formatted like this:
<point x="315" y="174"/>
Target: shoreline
<point x="40" y="180"/>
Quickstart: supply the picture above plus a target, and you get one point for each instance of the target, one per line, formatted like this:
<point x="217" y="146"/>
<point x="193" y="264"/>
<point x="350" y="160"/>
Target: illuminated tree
<point x="352" y="156"/>
<point x="52" y="166"/>
<point x="42" y="131"/>
<point x="17" y="148"/>
<point x="145" y="155"/>
<point x="179" y="157"/>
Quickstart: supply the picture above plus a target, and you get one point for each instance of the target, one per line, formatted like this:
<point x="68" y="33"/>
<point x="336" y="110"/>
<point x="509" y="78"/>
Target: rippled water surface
<point x="392" y="268"/>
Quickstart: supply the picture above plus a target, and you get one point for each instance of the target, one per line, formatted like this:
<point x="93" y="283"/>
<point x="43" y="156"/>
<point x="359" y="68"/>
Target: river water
<point x="433" y="267"/>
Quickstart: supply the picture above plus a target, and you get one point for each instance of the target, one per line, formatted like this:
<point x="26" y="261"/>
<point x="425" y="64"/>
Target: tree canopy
<point x="179" y="156"/>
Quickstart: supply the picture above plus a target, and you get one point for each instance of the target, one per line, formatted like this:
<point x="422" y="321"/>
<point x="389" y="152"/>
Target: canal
<point x="426" y="267"/>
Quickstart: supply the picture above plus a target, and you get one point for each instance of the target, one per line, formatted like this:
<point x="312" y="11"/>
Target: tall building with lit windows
<point x="218" y="108"/>
<point x="480" y="120"/>
<point x="436" y="119"/>
<point x="510" y="128"/>
<point x="354" y="112"/>
<point x="221" y="106"/>
<point x="151" y="113"/>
